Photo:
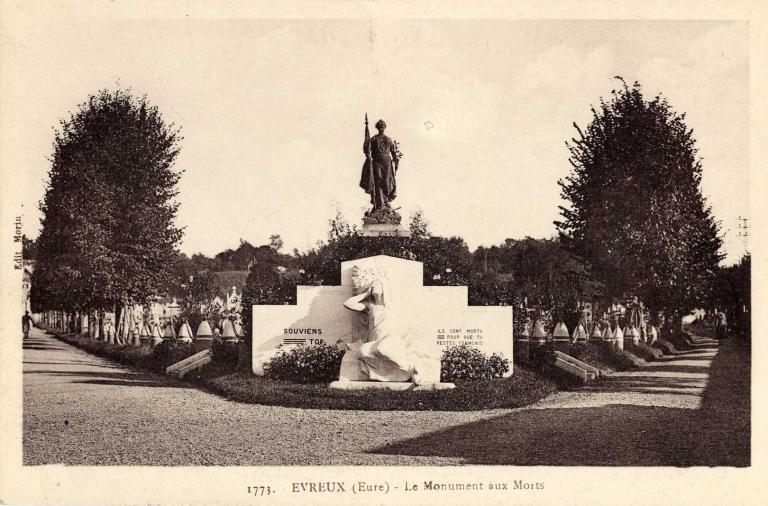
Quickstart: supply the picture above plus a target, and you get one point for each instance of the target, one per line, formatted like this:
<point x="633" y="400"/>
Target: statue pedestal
<point x="390" y="385"/>
<point x="385" y="230"/>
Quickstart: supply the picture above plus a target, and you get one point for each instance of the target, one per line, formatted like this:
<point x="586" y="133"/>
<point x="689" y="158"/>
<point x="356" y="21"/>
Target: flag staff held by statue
<point x="368" y="167"/>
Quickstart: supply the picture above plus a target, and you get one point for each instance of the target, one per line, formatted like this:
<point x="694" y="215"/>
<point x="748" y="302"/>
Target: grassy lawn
<point x="606" y="356"/>
<point x="140" y="358"/>
<point x="526" y="386"/>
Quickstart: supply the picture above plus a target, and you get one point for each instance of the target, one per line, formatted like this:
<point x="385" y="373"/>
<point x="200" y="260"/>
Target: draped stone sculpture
<point x="388" y="352"/>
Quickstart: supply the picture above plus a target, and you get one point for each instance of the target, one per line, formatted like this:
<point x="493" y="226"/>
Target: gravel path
<point x="83" y="410"/>
<point x="677" y="382"/>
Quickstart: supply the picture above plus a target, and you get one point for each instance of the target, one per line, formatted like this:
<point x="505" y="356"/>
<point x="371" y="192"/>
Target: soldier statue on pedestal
<point x="382" y="158"/>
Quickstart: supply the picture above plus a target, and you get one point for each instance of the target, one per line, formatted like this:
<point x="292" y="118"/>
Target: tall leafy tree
<point x="108" y="234"/>
<point x="635" y="210"/>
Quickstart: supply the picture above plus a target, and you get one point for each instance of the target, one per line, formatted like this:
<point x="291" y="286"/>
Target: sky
<point x="272" y="111"/>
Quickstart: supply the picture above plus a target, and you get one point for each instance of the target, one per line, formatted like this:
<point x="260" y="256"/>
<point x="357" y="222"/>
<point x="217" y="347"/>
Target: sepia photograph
<point x="354" y="256"/>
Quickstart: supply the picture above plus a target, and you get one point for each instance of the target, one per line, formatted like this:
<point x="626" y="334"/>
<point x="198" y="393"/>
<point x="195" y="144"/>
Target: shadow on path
<point x="71" y="363"/>
<point x="42" y="343"/>
<point x="717" y="434"/>
<point x="85" y="369"/>
<point x="35" y="346"/>
<point x="679" y="368"/>
<point x="127" y="378"/>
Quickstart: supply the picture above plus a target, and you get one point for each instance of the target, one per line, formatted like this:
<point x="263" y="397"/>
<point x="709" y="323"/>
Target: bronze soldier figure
<point x="378" y="176"/>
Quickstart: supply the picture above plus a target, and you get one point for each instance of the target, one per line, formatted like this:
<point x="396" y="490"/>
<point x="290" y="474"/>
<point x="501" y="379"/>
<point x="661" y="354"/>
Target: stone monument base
<point x="390" y="385"/>
<point x="385" y="230"/>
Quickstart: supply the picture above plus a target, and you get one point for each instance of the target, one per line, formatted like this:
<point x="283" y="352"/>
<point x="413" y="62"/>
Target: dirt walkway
<point x="81" y="409"/>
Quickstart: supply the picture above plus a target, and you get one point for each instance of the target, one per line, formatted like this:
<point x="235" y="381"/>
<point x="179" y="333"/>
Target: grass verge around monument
<point x="524" y="387"/>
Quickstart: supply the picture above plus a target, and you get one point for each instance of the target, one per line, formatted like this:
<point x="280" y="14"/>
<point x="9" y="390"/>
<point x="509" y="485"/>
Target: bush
<point x="701" y="329"/>
<point x="682" y="341"/>
<point x="609" y="355"/>
<point x="168" y="353"/>
<point x="225" y="354"/>
<point x="624" y="359"/>
<point x="526" y="386"/>
<point x="463" y="362"/>
<point x="540" y="356"/>
<point x="498" y="364"/>
<point x="591" y="353"/>
<point x="646" y="352"/>
<point x="316" y="363"/>
<point x="666" y="347"/>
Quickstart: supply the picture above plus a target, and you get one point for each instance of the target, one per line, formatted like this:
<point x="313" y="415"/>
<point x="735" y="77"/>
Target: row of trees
<point x="635" y="223"/>
<point x="240" y="259"/>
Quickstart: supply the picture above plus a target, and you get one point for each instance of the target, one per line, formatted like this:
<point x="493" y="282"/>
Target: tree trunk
<point x="653" y="316"/>
<point x="119" y="324"/>
<point x="677" y="324"/>
<point x="96" y="326"/>
<point x="103" y="327"/>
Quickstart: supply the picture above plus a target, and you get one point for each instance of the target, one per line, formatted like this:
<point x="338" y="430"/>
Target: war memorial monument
<point x="393" y="328"/>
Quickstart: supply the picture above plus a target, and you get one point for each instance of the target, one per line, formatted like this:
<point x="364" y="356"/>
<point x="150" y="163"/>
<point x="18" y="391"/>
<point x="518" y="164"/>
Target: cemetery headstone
<point x="203" y="337"/>
<point x="562" y="341"/>
<point x="522" y="344"/>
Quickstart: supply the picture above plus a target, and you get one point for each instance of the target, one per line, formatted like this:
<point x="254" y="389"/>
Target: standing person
<point x="722" y="325"/>
<point x="26" y="323"/>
